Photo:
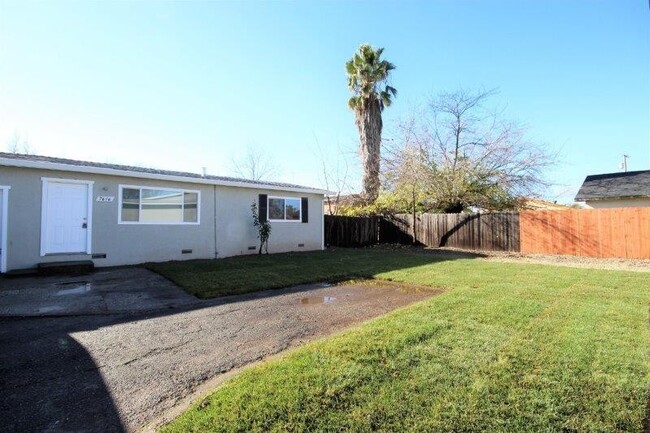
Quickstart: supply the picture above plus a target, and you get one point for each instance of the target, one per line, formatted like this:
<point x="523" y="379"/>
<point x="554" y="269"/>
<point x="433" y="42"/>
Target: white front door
<point x="66" y="219"/>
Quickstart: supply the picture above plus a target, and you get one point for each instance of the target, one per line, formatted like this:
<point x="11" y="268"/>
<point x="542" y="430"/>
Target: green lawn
<point x="511" y="347"/>
<point x="244" y="274"/>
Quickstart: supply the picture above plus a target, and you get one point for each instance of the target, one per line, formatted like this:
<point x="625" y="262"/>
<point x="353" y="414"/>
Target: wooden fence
<point x="618" y="232"/>
<point x="342" y="231"/>
<point x="491" y="231"/>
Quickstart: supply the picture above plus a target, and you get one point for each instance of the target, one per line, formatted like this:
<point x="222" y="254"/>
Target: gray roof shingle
<point x="615" y="185"/>
<point x="150" y="171"/>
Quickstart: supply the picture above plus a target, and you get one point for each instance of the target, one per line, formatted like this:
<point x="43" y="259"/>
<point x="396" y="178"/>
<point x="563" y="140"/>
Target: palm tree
<point x="367" y="79"/>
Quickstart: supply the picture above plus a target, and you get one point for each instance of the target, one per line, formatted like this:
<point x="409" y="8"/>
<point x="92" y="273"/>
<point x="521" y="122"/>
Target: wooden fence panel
<point x="617" y="232"/>
<point x="342" y="231"/>
<point x="493" y="231"/>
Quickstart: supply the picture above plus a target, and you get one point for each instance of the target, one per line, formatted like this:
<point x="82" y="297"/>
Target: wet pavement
<point x="120" y="372"/>
<point x="102" y="292"/>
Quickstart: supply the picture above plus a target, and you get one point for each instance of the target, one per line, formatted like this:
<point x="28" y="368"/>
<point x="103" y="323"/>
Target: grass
<point x="513" y="347"/>
<point x="245" y="274"/>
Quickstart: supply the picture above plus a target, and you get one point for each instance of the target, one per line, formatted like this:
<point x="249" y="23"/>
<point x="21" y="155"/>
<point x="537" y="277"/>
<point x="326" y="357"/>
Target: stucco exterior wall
<point x="235" y="231"/>
<point x="231" y="234"/>
<point x="606" y="204"/>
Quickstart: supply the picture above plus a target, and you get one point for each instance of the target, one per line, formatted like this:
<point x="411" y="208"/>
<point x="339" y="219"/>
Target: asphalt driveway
<point x="118" y="372"/>
<point x="106" y="291"/>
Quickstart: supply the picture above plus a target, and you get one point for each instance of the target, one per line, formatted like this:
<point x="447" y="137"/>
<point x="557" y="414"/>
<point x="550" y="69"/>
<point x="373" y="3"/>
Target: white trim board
<point x="89" y="229"/>
<point x="4" y="209"/>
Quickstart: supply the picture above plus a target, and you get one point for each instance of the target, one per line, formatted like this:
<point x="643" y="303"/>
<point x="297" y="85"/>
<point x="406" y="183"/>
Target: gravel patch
<point x="616" y="264"/>
<point x="636" y="265"/>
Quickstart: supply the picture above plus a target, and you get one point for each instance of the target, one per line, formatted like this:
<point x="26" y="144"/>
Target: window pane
<point x="293" y="209"/>
<point x="190" y="214"/>
<point x="159" y="205"/>
<point x="276" y="209"/>
<point x="130" y="204"/>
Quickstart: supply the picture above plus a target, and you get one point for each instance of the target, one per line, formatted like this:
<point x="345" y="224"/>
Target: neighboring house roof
<point x="631" y="184"/>
<point x="533" y="203"/>
<point x="333" y="202"/>
<point x="50" y="163"/>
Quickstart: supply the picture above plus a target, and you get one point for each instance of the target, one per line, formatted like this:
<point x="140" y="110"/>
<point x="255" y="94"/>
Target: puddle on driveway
<point x="318" y="300"/>
<point x="75" y="288"/>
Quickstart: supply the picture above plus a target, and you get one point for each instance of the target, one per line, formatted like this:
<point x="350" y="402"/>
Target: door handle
<point x="84" y="225"/>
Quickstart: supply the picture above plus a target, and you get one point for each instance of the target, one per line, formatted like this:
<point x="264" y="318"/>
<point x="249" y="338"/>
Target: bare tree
<point x="471" y="155"/>
<point x="407" y="176"/>
<point x="19" y="144"/>
<point x="255" y="164"/>
<point x="335" y="178"/>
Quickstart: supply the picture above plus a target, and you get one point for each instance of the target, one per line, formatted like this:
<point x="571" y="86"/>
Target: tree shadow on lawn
<point x="50" y="382"/>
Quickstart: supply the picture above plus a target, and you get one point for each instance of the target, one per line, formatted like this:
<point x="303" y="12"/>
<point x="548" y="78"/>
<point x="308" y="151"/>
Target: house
<point x="533" y="203"/>
<point x="628" y="189"/>
<point x="54" y="209"/>
<point x="333" y="204"/>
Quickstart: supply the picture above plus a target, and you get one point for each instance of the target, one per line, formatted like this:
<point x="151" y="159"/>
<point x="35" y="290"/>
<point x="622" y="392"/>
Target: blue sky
<point x="182" y="85"/>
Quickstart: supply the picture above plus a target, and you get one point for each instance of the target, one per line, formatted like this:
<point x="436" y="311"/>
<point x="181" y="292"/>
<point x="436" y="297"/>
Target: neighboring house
<point x="332" y="204"/>
<point x="629" y="189"/>
<point x="532" y="203"/>
<point x="54" y="210"/>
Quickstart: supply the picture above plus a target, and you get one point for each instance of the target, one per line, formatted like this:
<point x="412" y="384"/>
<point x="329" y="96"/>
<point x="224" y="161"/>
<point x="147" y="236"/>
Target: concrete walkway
<point x="117" y="290"/>
<point x="115" y="373"/>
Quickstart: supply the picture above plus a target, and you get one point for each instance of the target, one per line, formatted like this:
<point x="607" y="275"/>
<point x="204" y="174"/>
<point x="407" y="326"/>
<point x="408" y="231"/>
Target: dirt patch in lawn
<point x="617" y="264"/>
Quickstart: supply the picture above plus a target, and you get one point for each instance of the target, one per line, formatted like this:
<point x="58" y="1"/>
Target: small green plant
<point x="263" y="229"/>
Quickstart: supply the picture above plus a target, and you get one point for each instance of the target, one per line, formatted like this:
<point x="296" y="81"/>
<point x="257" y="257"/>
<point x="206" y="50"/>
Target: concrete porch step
<point x="78" y="267"/>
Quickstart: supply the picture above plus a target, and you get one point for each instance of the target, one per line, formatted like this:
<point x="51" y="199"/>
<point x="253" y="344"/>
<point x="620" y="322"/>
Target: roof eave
<point x="618" y="197"/>
<point x="46" y="165"/>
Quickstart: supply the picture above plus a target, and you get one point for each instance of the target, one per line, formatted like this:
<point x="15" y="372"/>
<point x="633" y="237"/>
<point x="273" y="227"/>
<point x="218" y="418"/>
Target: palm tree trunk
<point x="369" y="123"/>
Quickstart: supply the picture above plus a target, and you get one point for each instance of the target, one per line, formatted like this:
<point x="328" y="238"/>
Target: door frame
<point x="4" y="210"/>
<point x="44" y="196"/>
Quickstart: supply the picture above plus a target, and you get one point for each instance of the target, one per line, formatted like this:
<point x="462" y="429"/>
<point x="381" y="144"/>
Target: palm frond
<point x="385" y="99"/>
<point x="367" y="72"/>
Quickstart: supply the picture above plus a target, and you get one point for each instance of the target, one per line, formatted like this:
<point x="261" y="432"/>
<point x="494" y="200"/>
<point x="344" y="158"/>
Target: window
<point x="158" y="206"/>
<point x="284" y="209"/>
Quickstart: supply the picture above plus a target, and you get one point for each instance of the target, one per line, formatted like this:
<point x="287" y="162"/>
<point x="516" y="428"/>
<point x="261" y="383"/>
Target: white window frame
<point x="4" y="208"/>
<point x="89" y="222"/>
<point x="165" y="188"/>
<point x="285" y="220"/>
